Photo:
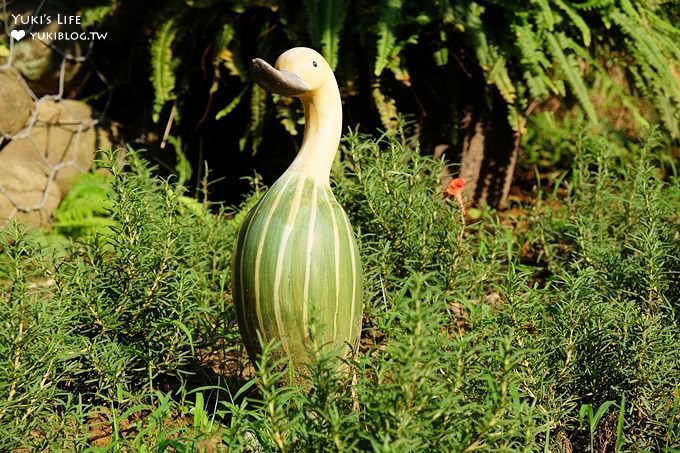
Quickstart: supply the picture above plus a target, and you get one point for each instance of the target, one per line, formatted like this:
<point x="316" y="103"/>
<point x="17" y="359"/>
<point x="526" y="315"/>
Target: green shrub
<point x="119" y="310"/>
<point x="393" y="196"/>
<point x="496" y="335"/>
<point x="38" y="352"/>
<point x="605" y="319"/>
<point x="619" y="291"/>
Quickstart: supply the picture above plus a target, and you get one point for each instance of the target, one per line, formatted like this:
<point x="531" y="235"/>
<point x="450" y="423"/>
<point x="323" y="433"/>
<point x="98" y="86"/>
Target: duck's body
<point x="296" y="272"/>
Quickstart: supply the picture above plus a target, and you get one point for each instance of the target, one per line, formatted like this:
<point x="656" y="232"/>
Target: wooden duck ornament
<point x="297" y="273"/>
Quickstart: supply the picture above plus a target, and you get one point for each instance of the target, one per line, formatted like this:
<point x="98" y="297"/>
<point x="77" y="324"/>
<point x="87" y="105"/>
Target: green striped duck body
<point x="297" y="273"/>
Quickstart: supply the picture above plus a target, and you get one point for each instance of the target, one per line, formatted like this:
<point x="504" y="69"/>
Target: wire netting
<point x="47" y="138"/>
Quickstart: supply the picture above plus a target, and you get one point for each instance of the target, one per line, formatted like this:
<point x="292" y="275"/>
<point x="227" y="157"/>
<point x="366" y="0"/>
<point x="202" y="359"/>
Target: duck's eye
<point x="314" y="63"/>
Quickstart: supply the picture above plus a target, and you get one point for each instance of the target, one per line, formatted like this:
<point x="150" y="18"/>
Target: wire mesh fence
<point x="46" y="138"/>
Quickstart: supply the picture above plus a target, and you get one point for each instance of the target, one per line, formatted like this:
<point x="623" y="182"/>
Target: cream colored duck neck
<point x="323" y="126"/>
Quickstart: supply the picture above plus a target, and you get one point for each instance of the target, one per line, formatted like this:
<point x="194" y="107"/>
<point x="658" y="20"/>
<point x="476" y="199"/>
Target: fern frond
<point x="569" y="68"/>
<point x="288" y="112"/>
<point x="654" y="54"/>
<point x="488" y="56"/>
<point x="527" y="42"/>
<point x="593" y="4"/>
<point x="397" y="61"/>
<point x="546" y="15"/>
<point x="232" y="105"/>
<point x="533" y="58"/>
<point x="182" y="165"/>
<point x="646" y="49"/>
<point x="577" y="20"/>
<point x="387" y="38"/>
<point x="474" y="27"/>
<point x="517" y="120"/>
<point x="258" y="109"/>
<point x="86" y="208"/>
<point x="224" y="53"/>
<point x="616" y="90"/>
<point x="386" y="106"/>
<point x="663" y="25"/>
<point x="325" y="21"/>
<point x="93" y="15"/>
<point x="630" y="11"/>
<point x="163" y="66"/>
<point x="499" y="76"/>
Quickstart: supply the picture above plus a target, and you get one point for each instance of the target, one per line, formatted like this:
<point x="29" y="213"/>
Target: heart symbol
<point x="18" y="34"/>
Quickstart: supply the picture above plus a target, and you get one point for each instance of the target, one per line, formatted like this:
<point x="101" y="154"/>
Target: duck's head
<point x="299" y="71"/>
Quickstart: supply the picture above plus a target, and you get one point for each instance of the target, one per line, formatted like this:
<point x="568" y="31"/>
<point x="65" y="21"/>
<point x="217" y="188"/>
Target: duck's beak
<point x="275" y="80"/>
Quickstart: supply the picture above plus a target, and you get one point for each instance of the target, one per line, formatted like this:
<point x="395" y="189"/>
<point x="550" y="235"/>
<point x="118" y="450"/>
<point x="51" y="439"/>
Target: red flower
<point x="455" y="190"/>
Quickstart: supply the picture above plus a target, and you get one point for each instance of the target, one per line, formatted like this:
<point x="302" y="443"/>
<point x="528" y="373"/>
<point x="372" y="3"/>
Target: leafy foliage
<point x="389" y="18"/>
<point x="496" y="331"/>
<point x="137" y="302"/>
<point x="325" y="21"/>
<point x="85" y="210"/>
<point x="556" y="330"/>
<point x="530" y="53"/>
<point x="163" y="66"/>
<point x="393" y="194"/>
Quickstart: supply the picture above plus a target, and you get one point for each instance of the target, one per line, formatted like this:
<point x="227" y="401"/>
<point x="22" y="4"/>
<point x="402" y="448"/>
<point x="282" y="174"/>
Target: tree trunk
<point x="486" y="144"/>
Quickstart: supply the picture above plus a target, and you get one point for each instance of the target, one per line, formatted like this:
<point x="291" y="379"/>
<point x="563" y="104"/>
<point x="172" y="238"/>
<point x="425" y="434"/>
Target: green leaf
<point x="441" y="56"/>
<point x="594" y="4"/>
<point x="227" y="54"/>
<point x="163" y="66"/>
<point x="200" y="416"/>
<point x="386" y="106"/>
<point x="232" y="105"/>
<point x="183" y="166"/>
<point x="577" y="20"/>
<point x="258" y="98"/>
<point x="546" y="13"/>
<point x="501" y="78"/>
<point x="85" y="210"/>
<point x="620" y="438"/>
<point x="95" y="14"/>
<point x="600" y="412"/>
<point x="325" y="21"/>
<point x="390" y="14"/>
<point x="475" y="29"/>
<point x="568" y="66"/>
<point x="181" y="326"/>
<point x="586" y="410"/>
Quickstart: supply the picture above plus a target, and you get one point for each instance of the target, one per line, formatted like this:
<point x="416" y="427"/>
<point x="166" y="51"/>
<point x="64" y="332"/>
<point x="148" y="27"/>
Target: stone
<point x="40" y="60"/>
<point x="16" y="103"/>
<point x="63" y="140"/>
<point x="27" y="193"/>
